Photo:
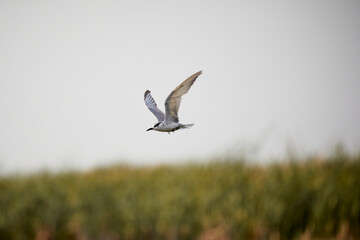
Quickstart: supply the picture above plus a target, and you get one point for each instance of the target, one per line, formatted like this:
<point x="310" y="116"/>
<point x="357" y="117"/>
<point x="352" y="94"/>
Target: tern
<point x="169" y="122"/>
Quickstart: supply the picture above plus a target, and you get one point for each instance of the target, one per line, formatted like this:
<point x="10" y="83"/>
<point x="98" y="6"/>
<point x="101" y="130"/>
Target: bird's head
<point x="152" y="128"/>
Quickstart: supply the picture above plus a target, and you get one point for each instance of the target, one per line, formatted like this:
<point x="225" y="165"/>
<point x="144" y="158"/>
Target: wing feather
<point x="151" y="104"/>
<point x="172" y="103"/>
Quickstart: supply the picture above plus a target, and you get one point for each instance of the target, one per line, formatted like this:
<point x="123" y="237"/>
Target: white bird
<point x="169" y="122"/>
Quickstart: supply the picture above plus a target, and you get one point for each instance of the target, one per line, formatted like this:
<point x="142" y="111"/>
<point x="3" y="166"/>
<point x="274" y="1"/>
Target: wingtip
<point x="146" y="93"/>
<point x="194" y="76"/>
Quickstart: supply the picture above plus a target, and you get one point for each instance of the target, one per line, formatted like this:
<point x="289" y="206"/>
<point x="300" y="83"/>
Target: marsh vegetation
<point x="228" y="199"/>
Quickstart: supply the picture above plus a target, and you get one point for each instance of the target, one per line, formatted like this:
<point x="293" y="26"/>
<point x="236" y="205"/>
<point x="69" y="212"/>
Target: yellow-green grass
<point x="229" y="198"/>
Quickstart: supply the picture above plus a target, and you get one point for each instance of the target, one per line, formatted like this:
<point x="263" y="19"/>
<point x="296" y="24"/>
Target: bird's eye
<point x="156" y="124"/>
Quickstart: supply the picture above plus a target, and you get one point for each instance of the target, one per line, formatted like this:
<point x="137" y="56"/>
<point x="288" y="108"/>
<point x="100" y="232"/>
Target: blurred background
<point x="73" y="77"/>
<point x="280" y="90"/>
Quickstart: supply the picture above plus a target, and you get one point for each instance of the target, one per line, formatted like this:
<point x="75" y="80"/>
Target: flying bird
<point x="169" y="122"/>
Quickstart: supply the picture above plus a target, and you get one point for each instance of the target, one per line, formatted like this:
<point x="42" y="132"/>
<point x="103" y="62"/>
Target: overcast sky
<point x="73" y="75"/>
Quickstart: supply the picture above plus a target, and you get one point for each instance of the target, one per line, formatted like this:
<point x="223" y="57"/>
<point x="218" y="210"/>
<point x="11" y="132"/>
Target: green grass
<point x="231" y="198"/>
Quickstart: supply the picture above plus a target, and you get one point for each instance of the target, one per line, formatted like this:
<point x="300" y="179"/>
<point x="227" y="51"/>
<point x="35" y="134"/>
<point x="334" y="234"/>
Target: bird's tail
<point x="188" y="125"/>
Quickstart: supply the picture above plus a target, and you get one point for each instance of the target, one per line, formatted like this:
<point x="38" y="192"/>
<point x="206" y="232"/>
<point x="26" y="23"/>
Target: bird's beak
<point x="149" y="129"/>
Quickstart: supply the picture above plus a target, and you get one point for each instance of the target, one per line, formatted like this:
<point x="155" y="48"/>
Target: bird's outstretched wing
<point x="173" y="101"/>
<point x="151" y="104"/>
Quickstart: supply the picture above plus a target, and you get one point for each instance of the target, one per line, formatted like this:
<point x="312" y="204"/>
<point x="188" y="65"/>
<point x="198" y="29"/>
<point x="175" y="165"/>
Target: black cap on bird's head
<point x="156" y="124"/>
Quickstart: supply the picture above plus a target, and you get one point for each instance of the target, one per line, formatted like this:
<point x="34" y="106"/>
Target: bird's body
<point x="171" y="127"/>
<point x="169" y="122"/>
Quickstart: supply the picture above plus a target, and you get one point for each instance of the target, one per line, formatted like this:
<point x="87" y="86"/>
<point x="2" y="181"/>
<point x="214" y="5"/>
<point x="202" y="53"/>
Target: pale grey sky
<point x="73" y="75"/>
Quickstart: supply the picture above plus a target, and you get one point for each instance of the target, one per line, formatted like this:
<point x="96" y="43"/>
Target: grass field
<point x="229" y="199"/>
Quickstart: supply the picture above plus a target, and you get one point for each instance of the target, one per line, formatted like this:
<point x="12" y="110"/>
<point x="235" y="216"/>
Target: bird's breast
<point x="167" y="127"/>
